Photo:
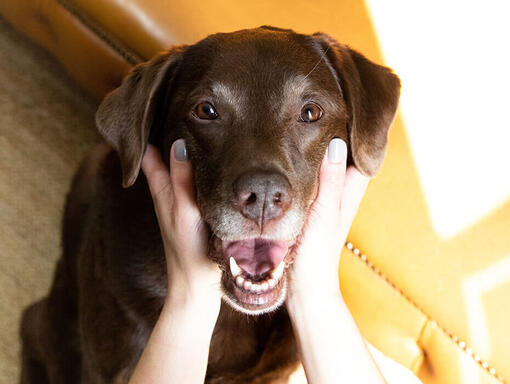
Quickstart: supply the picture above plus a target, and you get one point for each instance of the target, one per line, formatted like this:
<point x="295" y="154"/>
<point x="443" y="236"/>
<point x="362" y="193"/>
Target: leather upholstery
<point x="406" y="288"/>
<point x="83" y="52"/>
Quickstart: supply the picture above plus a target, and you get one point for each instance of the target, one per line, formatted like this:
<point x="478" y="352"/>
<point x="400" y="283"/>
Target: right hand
<point x="315" y="270"/>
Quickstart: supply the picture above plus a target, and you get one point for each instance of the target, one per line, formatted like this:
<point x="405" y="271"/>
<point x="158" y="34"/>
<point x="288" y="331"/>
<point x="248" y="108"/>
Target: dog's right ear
<point x="126" y="115"/>
<point x="371" y="93"/>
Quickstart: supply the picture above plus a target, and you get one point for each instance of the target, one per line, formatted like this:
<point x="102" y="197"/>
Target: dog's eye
<point x="206" y="111"/>
<point x="310" y="112"/>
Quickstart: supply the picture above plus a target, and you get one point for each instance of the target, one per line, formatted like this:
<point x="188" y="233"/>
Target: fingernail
<point x="180" y="153"/>
<point x="337" y="150"/>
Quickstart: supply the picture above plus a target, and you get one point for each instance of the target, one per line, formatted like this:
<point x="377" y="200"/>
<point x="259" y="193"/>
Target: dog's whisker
<point x="323" y="55"/>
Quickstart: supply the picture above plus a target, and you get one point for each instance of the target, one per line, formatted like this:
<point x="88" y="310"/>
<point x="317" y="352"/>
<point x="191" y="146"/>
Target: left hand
<point x="178" y="349"/>
<point x="185" y="236"/>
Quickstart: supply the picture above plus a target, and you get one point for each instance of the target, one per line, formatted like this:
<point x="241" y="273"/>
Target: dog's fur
<point x="110" y="284"/>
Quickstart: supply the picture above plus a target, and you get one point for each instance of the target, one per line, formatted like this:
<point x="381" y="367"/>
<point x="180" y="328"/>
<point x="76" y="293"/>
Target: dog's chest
<point x="251" y="348"/>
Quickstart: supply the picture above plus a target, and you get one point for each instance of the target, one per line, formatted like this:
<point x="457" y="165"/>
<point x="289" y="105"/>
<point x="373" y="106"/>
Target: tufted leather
<point x="406" y="290"/>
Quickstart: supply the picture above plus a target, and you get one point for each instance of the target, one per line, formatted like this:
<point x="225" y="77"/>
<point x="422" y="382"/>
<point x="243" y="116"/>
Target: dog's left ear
<point x="127" y="114"/>
<point x="371" y="92"/>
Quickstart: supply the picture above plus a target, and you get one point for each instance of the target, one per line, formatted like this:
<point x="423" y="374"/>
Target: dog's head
<point x="257" y="109"/>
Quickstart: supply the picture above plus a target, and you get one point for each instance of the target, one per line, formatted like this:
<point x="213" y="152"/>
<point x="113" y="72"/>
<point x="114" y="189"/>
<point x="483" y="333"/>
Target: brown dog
<point x="257" y="109"/>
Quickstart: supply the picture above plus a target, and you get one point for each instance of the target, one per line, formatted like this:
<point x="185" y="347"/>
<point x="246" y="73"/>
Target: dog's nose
<point x="262" y="196"/>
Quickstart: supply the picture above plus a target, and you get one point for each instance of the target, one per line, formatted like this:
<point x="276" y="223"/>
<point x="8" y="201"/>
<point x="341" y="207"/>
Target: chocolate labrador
<point x="257" y="109"/>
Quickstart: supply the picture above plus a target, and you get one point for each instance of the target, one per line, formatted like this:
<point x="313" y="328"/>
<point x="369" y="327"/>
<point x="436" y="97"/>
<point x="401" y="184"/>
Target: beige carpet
<point x="46" y="125"/>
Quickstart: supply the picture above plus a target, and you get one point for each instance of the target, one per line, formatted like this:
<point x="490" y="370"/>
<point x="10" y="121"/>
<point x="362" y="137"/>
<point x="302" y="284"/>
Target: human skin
<point x="330" y="345"/>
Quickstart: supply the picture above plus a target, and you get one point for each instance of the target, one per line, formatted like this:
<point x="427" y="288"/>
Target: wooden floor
<point x="46" y="125"/>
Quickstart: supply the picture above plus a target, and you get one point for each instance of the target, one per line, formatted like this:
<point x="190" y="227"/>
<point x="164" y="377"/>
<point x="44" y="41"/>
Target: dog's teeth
<point x="264" y="286"/>
<point x="256" y="288"/>
<point x="239" y="281"/>
<point x="247" y="285"/>
<point x="234" y="268"/>
<point x="278" y="271"/>
<point x="271" y="283"/>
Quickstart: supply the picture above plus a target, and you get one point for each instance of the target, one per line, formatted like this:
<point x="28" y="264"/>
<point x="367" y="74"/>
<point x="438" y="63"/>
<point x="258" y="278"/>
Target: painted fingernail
<point x="180" y="153"/>
<point x="337" y="150"/>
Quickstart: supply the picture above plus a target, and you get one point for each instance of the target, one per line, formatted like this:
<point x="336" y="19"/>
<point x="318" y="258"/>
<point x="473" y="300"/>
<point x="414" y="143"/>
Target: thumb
<point x="331" y="178"/>
<point x="181" y="175"/>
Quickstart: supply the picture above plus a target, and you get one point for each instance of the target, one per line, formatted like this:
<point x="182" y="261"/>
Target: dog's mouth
<point x="254" y="280"/>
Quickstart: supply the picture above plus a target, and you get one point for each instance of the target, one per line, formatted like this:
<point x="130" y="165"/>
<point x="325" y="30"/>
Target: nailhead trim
<point x="461" y="344"/>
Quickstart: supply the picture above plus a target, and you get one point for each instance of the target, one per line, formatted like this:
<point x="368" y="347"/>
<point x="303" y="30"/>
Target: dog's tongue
<point x="256" y="256"/>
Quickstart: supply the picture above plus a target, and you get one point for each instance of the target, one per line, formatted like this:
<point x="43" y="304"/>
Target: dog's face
<point x="257" y="109"/>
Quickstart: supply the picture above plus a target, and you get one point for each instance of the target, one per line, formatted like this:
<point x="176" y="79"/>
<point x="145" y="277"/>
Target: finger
<point x="155" y="171"/>
<point x="331" y="179"/>
<point x="181" y="175"/>
<point x="353" y="191"/>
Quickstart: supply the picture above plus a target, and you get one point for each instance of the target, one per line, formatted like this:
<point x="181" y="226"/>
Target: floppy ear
<point x="371" y="92"/>
<point x="126" y="115"/>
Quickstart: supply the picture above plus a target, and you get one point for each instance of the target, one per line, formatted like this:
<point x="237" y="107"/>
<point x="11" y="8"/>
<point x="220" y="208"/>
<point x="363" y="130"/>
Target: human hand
<point x="178" y="349"/>
<point x="314" y="272"/>
<point x="185" y="236"/>
<point x="331" y="347"/>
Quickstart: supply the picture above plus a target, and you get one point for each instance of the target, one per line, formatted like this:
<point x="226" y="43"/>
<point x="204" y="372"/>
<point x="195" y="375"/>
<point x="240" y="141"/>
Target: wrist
<point x="308" y="287"/>
<point x="303" y="300"/>
<point x="331" y="346"/>
<point x="189" y="301"/>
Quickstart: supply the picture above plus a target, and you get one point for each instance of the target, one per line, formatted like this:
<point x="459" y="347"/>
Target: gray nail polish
<point x="180" y="153"/>
<point x="337" y="150"/>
